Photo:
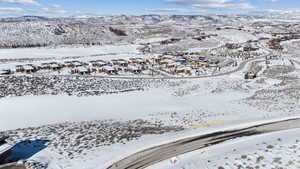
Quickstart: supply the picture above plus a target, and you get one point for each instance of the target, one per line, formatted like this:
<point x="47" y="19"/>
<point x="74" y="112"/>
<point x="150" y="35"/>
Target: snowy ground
<point x="185" y="97"/>
<point x="181" y="103"/>
<point x="184" y="103"/>
<point x="67" y="51"/>
<point x="92" y="121"/>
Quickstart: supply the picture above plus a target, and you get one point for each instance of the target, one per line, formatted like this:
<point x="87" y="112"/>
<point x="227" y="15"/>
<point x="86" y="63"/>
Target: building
<point x="54" y="66"/>
<point x="165" y="61"/>
<point x="138" y="61"/>
<point x="19" y="68"/>
<point x="29" y="68"/>
<point x="44" y="66"/>
<point x="98" y="63"/>
<point x="183" y="70"/>
<point x="5" y="149"/>
<point x="108" y="70"/>
<point x="78" y="64"/>
<point x="173" y="64"/>
<point x="134" y="69"/>
<point x="181" y="60"/>
<point x="68" y="64"/>
<point x="119" y="62"/>
<point x="81" y="71"/>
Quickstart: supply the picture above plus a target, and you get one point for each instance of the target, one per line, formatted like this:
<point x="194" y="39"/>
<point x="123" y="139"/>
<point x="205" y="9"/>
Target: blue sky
<point x="139" y="7"/>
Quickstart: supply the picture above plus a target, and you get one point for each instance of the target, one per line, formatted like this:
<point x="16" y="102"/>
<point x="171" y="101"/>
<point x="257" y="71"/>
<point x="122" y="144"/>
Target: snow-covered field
<point x="185" y="97"/>
<point x="185" y="103"/>
<point x="92" y="121"/>
<point x="67" y="51"/>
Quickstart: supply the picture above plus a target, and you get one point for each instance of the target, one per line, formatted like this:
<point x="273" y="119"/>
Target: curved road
<point x="148" y="157"/>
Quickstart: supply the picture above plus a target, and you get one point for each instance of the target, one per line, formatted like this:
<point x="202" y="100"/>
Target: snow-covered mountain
<point x="32" y="31"/>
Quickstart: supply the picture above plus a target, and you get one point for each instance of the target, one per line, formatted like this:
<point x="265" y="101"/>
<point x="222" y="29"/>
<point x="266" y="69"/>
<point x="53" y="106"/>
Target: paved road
<point x="12" y="166"/>
<point x="157" y="154"/>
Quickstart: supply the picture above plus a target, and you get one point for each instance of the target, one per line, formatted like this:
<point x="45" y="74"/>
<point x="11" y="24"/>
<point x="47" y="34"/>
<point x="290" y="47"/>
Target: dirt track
<point x="157" y="154"/>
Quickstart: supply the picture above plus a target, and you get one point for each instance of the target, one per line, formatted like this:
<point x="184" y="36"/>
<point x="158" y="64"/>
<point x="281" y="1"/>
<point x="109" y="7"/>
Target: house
<point x="199" y="63"/>
<point x="78" y="64"/>
<point x="97" y="63"/>
<point x="108" y="70"/>
<point x="55" y="66"/>
<point x="133" y="69"/>
<point x="19" y="68"/>
<point x="165" y="61"/>
<point x="68" y="64"/>
<point x="202" y="64"/>
<point x="173" y="64"/>
<point x="181" y="60"/>
<point x="157" y="59"/>
<point x="119" y="62"/>
<point x="5" y="149"/>
<point x="138" y="61"/>
<point x="44" y="66"/>
<point x="81" y="70"/>
<point x="29" y="68"/>
<point x="183" y="70"/>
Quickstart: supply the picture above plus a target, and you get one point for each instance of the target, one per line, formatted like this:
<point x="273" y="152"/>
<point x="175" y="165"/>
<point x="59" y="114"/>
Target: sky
<point x="11" y="8"/>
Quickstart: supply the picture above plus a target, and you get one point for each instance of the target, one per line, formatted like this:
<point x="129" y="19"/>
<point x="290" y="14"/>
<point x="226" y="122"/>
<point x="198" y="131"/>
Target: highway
<point x="148" y="157"/>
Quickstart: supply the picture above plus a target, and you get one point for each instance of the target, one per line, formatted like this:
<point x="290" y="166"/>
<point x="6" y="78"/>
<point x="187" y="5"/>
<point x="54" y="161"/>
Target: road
<point x="12" y="166"/>
<point x="148" y="157"/>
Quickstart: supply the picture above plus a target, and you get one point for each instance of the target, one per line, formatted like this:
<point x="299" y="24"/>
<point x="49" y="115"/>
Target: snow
<point x="102" y="157"/>
<point x="59" y="52"/>
<point x="190" y="96"/>
<point x="219" y="102"/>
<point x="235" y="36"/>
<point x="4" y="148"/>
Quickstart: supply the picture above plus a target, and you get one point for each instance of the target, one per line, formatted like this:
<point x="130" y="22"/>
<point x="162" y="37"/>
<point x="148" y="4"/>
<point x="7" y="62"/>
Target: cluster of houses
<point x="275" y="43"/>
<point x="245" y="48"/>
<point x="172" y="63"/>
<point x="237" y="51"/>
<point x="186" y="63"/>
<point x="133" y="65"/>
